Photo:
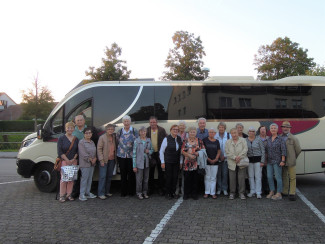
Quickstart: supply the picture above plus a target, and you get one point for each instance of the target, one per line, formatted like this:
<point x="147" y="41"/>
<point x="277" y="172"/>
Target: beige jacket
<point x="233" y="150"/>
<point x="293" y="150"/>
<point x="103" y="150"/>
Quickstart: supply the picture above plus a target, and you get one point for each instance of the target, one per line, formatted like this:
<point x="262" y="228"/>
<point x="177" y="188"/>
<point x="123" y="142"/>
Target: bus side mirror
<point x="39" y="131"/>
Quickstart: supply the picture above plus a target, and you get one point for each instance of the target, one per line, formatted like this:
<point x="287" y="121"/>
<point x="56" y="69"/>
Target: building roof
<point x="3" y="93"/>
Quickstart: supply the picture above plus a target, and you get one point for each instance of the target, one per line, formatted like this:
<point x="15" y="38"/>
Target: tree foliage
<point x="37" y="102"/>
<point x="281" y="59"/>
<point x="316" y="71"/>
<point x="112" y="67"/>
<point x="184" y="61"/>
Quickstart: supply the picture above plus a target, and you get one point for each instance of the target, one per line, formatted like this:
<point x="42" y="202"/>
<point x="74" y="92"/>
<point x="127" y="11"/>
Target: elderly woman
<point x="213" y="151"/>
<point x="142" y="149"/>
<point x="256" y="155"/>
<point x="190" y="149"/>
<point x="276" y="153"/>
<point x="87" y="162"/>
<point x="106" y="152"/>
<point x="68" y="152"/>
<point x="236" y="150"/>
<point x="182" y="130"/>
<point x="170" y="152"/>
<point x="262" y="135"/>
<point x="125" y="138"/>
<point x="240" y="128"/>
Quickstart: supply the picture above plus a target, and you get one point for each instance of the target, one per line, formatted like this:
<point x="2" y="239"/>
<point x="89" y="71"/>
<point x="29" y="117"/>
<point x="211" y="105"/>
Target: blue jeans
<point x="105" y="177"/>
<point x="222" y="176"/>
<point x="277" y="170"/>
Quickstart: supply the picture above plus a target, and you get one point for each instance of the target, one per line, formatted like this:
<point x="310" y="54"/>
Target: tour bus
<point x="299" y="100"/>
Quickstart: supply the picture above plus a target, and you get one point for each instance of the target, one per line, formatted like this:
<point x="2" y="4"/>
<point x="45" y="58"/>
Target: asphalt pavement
<point x="30" y="216"/>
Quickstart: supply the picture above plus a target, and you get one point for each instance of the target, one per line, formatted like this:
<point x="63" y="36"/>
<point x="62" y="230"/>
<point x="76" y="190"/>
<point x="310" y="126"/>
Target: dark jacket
<point x="171" y="155"/>
<point x="161" y="135"/>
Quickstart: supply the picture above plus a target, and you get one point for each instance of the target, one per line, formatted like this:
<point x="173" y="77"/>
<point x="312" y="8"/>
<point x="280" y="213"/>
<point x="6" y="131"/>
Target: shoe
<point x="62" y="199"/>
<point x="271" y="194"/>
<point x="242" y="196"/>
<point x="231" y="197"/>
<point x="225" y="193"/>
<point x="109" y="194"/>
<point x="205" y="196"/>
<point x="185" y="197"/>
<point x="276" y="197"/>
<point x="102" y="197"/>
<point x="218" y="192"/>
<point x="145" y="196"/>
<point x="140" y="197"/>
<point x="292" y="197"/>
<point x="214" y="196"/>
<point x="259" y="196"/>
<point x="70" y="198"/>
<point x="91" y="195"/>
<point x="251" y="194"/>
<point x="82" y="198"/>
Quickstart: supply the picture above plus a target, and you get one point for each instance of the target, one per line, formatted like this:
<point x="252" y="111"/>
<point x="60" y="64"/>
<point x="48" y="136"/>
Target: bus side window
<point x="85" y="109"/>
<point x="57" y="122"/>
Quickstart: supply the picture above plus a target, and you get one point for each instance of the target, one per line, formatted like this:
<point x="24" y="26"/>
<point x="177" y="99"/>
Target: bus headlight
<point x="28" y="142"/>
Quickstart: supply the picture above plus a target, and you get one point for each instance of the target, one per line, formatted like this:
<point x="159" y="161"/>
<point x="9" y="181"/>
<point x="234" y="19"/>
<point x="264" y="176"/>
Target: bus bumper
<point x="25" y="167"/>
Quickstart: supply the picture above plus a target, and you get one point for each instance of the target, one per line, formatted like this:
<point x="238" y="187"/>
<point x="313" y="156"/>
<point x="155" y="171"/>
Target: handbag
<point x="58" y="161"/>
<point x="201" y="171"/>
<point x="69" y="173"/>
<point x="244" y="162"/>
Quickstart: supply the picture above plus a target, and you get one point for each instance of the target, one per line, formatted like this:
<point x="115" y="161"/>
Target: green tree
<point x="281" y="59"/>
<point x="37" y="102"/>
<point x="184" y="61"/>
<point x="316" y="71"/>
<point x="112" y="67"/>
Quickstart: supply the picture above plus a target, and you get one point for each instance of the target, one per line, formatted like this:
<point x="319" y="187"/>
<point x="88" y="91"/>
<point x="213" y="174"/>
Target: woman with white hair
<point x="125" y="138"/>
<point x="212" y="147"/>
<point x="276" y="153"/>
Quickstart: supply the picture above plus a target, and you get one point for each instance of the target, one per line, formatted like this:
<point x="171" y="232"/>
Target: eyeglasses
<point x="88" y="133"/>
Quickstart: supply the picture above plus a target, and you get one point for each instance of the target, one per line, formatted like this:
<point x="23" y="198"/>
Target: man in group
<point x="222" y="177"/>
<point x="289" y="170"/>
<point x="202" y="132"/>
<point x="157" y="135"/>
<point x="80" y="126"/>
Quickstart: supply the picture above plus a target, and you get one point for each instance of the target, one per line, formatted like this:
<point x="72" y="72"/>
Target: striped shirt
<point x="256" y="148"/>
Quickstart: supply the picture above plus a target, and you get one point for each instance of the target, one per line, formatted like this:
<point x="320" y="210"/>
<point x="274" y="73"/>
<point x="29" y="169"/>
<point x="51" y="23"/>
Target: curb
<point x="8" y="154"/>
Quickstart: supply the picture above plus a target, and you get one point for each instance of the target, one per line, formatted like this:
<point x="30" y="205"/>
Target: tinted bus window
<point x="144" y="107"/>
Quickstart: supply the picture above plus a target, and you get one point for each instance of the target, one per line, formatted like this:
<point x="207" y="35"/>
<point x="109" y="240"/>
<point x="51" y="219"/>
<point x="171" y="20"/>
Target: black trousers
<point x="190" y="183"/>
<point x="171" y="171"/>
<point x="265" y="183"/>
<point x="161" y="174"/>
<point x="127" y="176"/>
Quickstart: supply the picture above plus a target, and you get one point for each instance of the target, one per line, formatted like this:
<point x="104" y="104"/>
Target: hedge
<point x="18" y="125"/>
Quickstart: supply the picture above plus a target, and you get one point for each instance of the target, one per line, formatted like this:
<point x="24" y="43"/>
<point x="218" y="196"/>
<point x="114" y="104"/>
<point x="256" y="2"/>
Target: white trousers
<point x="210" y="179"/>
<point x="255" y="177"/>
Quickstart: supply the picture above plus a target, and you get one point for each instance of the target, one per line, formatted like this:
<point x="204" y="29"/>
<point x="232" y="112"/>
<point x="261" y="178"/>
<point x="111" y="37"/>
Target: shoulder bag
<point x="58" y="161"/>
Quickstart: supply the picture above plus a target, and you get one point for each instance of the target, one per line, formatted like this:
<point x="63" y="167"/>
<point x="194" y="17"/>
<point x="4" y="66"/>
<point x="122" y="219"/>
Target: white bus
<point x="300" y="100"/>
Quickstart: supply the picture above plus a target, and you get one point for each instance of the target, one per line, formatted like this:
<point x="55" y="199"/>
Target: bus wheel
<point x="45" y="177"/>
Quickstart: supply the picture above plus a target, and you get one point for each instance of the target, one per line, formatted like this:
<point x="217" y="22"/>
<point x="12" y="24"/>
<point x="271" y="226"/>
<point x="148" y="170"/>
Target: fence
<point x="11" y="141"/>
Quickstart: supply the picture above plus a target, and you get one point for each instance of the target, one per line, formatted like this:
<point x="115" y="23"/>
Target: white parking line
<point x="311" y="206"/>
<point x="159" y="228"/>
<point x="5" y="183"/>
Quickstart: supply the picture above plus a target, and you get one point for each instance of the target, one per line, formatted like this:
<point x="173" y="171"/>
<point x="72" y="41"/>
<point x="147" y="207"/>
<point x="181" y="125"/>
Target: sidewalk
<point x="8" y="154"/>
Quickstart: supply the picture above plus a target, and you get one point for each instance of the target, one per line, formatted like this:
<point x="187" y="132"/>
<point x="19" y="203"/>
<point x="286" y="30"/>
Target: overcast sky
<point x="59" y="40"/>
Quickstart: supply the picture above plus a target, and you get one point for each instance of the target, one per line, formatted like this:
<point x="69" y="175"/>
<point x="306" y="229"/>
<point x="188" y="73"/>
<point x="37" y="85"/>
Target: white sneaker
<point x="231" y="197"/>
<point x="259" y="196"/>
<point x="225" y="193"/>
<point x="91" y="195"/>
<point x="242" y="196"/>
<point x="251" y="194"/>
<point x="102" y="197"/>
<point x="82" y="198"/>
<point x="218" y="192"/>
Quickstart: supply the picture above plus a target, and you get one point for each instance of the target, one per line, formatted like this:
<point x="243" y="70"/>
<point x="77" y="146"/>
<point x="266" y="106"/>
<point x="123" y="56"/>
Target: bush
<point x="18" y="125"/>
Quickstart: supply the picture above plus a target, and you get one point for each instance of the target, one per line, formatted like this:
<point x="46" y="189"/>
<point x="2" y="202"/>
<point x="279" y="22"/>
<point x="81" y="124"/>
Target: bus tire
<point x="45" y="178"/>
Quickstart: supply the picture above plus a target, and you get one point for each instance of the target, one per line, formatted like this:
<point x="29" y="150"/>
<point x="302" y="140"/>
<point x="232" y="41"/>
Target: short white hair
<point x="126" y="117"/>
<point x="274" y="124"/>
<point x="239" y="124"/>
<point x="202" y="119"/>
<point x="182" y="122"/>
<point x="212" y="129"/>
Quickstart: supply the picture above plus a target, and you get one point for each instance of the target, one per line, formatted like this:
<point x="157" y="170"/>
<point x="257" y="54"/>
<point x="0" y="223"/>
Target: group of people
<point x="182" y="159"/>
